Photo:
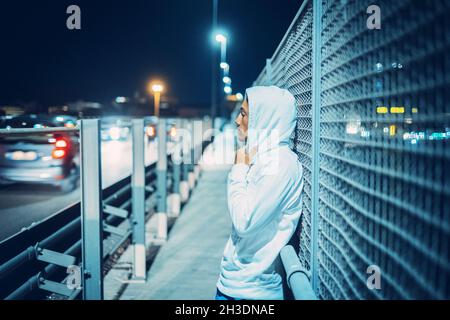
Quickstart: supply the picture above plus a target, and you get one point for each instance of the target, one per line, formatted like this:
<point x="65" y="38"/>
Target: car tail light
<point x="151" y="131"/>
<point x="58" y="153"/>
<point x="173" y="132"/>
<point x="60" y="144"/>
<point x="60" y="149"/>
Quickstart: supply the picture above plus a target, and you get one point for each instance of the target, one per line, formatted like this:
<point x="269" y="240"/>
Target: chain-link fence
<point x="372" y="135"/>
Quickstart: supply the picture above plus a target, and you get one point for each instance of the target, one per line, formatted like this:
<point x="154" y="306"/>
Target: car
<point x="65" y="121"/>
<point x="42" y="158"/>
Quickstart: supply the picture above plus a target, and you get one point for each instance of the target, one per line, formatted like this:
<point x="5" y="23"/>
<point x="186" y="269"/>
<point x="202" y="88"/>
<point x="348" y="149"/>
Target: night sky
<point x="123" y="44"/>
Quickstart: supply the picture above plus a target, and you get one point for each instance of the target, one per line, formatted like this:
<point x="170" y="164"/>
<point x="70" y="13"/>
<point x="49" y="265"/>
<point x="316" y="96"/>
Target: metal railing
<point x="372" y="136"/>
<point x="297" y="277"/>
<point x="67" y="255"/>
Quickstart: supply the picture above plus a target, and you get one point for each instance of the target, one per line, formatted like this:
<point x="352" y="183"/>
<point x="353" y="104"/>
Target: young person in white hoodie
<point x="264" y="196"/>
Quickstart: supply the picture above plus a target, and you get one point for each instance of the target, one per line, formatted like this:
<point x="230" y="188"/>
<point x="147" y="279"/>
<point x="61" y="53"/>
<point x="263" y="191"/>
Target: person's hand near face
<point x="241" y="121"/>
<point x="242" y="128"/>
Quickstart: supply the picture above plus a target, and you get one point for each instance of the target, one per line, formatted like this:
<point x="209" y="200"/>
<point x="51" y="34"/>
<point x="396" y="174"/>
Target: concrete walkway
<point x="188" y="265"/>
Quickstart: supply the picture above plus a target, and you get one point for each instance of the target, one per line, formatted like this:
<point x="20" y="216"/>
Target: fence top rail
<point x="299" y="12"/>
<point x="37" y="130"/>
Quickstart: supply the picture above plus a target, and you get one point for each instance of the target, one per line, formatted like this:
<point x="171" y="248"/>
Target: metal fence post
<point x="316" y="103"/>
<point x="138" y="200"/>
<point x="91" y="210"/>
<point x="186" y="153"/>
<point x="177" y="161"/>
<point x="198" y="146"/>
<point x="161" y="186"/>
<point x="174" y="199"/>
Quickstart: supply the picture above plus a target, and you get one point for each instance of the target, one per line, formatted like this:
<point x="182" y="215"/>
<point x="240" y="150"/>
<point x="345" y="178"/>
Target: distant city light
<point x="438" y="136"/>
<point x="239" y="96"/>
<point x="121" y="100"/>
<point x="382" y="109"/>
<point x="397" y="110"/>
<point x="364" y="133"/>
<point x="414" y="136"/>
<point x="392" y="130"/>
<point x="224" y="65"/>
<point x="226" y="80"/>
<point x="379" y="67"/>
<point x="415" y="110"/>
<point x="353" y="127"/>
<point x="114" y="133"/>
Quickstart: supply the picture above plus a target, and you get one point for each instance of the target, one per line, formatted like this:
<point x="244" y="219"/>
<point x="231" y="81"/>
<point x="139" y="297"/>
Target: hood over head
<point x="272" y="117"/>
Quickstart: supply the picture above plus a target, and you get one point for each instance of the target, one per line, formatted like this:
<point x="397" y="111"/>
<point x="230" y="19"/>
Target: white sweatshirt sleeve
<point x="252" y="205"/>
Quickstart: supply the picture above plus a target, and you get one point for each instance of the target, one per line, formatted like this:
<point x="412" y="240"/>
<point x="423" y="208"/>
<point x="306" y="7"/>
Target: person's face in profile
<point x="242" y="121"/>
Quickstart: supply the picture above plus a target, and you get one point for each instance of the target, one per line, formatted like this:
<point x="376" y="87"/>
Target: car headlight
<point x="114" y="133"/>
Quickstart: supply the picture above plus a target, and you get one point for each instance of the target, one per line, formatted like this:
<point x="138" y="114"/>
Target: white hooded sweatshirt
<point x="264" y="199"/>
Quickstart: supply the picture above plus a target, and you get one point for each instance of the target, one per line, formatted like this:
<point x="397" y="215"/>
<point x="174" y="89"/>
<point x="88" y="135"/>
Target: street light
<point x="226" y="80"/>
<point x="221" y="38"/>
<point x="156" y="88"/>
<point x="227" y="90"/>
<point x="223" y="46"/>
<point x="224" y="66"/>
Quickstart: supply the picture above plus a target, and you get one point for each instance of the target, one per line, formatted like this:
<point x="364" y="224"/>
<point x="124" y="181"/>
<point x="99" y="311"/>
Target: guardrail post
<point x="186" y="150"/>
<point x="190" y="157"/>
<point x="198" y="146"/>
<point x="174" y="199"/>
<point x="91" y="210"/>
<point x="161" y="183"/>
<point x="138" y="200"/>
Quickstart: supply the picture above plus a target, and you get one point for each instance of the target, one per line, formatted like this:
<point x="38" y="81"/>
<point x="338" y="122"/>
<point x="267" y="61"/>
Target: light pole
<point x="222" y="39"/>
<point x="156" y="89"/>
<point x="223" y="46"/>
<point x="215" y="5"/>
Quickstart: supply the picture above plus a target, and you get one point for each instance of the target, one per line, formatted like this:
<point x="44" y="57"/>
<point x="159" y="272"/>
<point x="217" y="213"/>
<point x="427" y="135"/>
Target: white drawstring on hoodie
<point x="264" y="199"/>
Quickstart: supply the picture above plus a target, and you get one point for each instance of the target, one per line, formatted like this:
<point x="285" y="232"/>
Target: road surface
<point x="21" y="205"/>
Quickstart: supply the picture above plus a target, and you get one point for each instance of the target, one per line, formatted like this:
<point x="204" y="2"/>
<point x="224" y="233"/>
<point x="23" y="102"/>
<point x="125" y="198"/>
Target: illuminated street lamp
<point x="156" y="88"/>
<point x="227" y="90"/>
<point x="224" y="66"/>
<point x="226" y="80"/>
<point x="221" y="38"/>
<point x="223" y="46"/>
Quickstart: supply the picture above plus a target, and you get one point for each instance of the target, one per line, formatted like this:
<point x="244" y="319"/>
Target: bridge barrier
<point x="67" y="255"/>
